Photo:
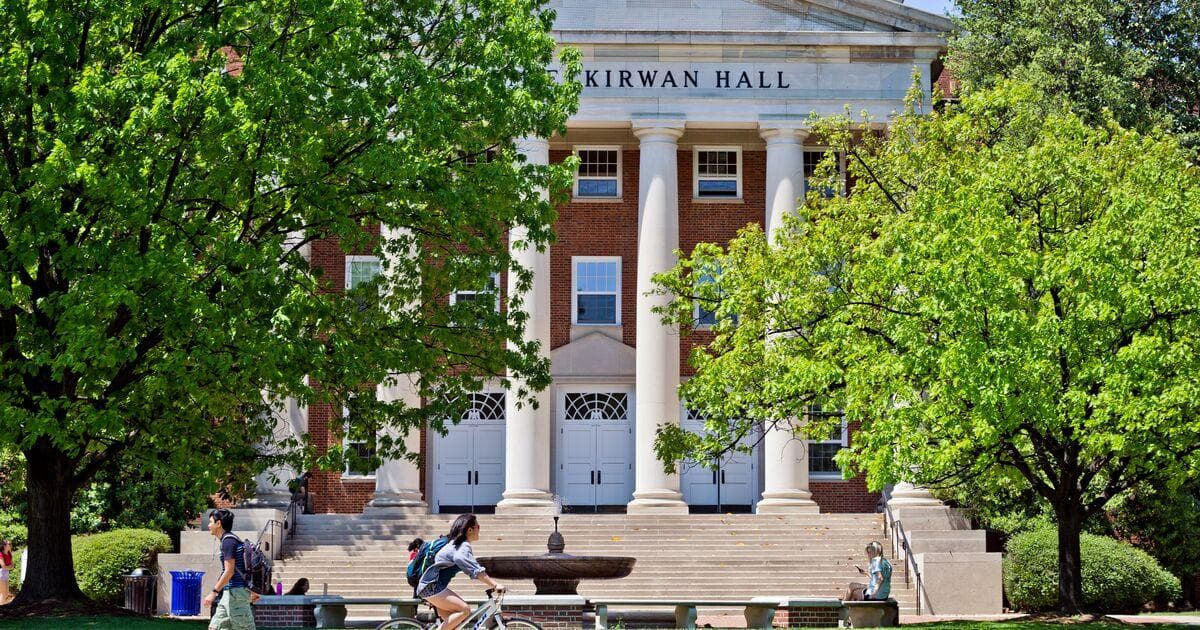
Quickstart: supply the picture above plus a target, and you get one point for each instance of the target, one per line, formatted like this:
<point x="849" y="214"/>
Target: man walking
<point x="233" y="612"/>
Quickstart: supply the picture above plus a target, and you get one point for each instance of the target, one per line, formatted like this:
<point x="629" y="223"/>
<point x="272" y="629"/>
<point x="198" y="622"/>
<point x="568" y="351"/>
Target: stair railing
<point x="293" y="517"/>
<point x="899" y="536"/>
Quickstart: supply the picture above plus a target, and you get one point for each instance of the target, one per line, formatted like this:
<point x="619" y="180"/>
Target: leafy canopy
<point x="1008" y="295"/>
<point x="165" y="168"/>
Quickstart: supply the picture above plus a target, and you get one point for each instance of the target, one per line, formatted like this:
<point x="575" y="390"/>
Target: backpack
<point x="258" y="568"/>
<point x="425" y="557"/>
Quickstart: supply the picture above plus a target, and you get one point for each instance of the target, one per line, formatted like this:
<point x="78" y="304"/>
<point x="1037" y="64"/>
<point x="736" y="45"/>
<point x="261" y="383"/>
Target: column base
<point x="396" y="504"/>
<point x="657" y="502"/>
<point x="788" y="502"/>
<point x="905" y="494"/>
<point x="527" y="502"/>
<point x="276" y="500"/>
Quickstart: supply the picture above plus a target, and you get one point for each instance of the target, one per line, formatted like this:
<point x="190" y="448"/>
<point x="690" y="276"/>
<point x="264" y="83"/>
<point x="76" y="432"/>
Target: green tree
<point x="164" y="167"/>
<point x="1008" y="295"/>
<point x="1139" y="59"/>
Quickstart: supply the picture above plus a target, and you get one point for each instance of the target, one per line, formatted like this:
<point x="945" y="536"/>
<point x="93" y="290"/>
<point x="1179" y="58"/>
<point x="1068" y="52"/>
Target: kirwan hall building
<point x="693" y="122"/>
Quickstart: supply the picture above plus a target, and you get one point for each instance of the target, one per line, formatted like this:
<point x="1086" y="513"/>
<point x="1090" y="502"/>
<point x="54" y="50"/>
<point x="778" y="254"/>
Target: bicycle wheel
<point x="517" y="622"/>
<point x="401" y="623"/>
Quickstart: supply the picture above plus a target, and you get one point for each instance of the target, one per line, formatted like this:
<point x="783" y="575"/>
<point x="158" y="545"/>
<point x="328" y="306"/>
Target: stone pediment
<point x="732" y="16"/>
<point x="593" y="355"/>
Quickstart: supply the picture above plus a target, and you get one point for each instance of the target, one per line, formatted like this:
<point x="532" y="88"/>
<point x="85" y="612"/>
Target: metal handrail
<point x="902" y="537"/>
<point x="293" y="518"/>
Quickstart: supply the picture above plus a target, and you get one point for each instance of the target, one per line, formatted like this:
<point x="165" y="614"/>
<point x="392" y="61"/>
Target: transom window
<point x="811" y="160"/>
<point x="822" y="452"/>
<point x="597" y="295"/>
<point x="599" y="174"/>
<point x="360" y="444"/>
<point x="718" y="172"/>
<point x="489" y="292"/>
<point x="486" y="407"/>
<point x="596" y="407"/>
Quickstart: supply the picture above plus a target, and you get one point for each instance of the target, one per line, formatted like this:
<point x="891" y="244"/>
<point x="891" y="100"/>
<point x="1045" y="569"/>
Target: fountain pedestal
<point x="557" y="573"/>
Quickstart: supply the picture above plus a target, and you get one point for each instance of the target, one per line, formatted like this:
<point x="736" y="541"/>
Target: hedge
<point x="102" y="559"/>
<point x="1116" y="576"/>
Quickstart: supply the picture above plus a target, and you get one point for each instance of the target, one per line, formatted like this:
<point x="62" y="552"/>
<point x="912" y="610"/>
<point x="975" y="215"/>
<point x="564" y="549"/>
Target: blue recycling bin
<point x="185" y="593"/>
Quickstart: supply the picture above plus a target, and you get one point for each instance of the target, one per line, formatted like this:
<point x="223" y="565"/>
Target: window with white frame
<point x="361" y="270"/>
<point x="597" y="290"/>
<point x="489" y="292"/>
<point x="599" y="174"/>
<point x="717" y="172"/>
<point x="811" y="160"/>
<point x="822" y="452"/>
<point x="359" y="444"/>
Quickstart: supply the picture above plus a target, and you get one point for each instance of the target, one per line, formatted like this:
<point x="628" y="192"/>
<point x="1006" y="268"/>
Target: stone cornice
<point x="774" y="38"/>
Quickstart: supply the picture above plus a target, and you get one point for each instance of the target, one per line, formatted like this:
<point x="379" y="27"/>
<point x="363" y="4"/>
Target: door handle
<point x="468" y="477"/>
<point x="714" y="477"/>
<point x="599" y="477"/>
<point x="722" y="476"/>
<point x="593" y="481"/>
<point x="477" y="477"/>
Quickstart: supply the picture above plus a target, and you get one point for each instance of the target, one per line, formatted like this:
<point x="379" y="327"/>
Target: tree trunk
<point x="51" y="570"/>
<point x="1070" y="573"/>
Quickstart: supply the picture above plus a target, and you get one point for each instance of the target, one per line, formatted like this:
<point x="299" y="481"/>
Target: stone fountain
<point x="557" y="573"/>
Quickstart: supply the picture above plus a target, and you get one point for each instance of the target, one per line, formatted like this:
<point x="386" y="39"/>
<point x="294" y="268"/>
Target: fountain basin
<point x="557" y="573"/>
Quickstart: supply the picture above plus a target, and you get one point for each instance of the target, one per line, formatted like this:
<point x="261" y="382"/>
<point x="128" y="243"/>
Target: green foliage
<point x="146" y="499"/>
<point x="101" y="559"/>
<point x="1138" y="59"/>
<point x="12" y="527"/>
<point x="12" y="479"/>
<point x="1116" y="576"/>
<point x="1010" y="295"/>
<point x="1164" y="521"/>
<point x="166" y="169"/>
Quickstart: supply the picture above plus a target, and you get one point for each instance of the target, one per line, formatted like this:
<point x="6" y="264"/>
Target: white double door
<point x="730" y="486"/>
<point x="469" y="474"/>
<point x="595" y="449"/>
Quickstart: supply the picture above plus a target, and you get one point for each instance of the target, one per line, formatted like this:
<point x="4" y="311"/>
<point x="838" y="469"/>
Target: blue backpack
<point x="424" y="559"/>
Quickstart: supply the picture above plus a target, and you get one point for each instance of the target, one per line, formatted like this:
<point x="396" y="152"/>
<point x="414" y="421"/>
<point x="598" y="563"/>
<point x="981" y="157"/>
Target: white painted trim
<point x="575" y="260"/>
<point x="354" y="259"/>
<point x="696" y="150"/>
<point x="844" y="442"/>
<point x="575" y="182"/>
<point x="495" y="276"/>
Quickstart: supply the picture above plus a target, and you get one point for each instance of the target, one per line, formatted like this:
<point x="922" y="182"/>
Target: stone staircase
<point x="695" y="556"/>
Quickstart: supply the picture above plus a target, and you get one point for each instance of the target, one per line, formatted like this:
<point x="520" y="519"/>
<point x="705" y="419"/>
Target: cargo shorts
<point x="233" y="611"/>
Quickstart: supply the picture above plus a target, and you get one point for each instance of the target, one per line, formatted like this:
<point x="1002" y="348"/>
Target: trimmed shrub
<point x="1116" y="576"/>
<point x="101" y="560"/>
<point x="11" y="528"/>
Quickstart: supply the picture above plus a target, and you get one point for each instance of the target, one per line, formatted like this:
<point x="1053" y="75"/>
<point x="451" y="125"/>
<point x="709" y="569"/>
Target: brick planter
<point x="549" y="611"/>
<point x="284" y="611"/>
<point x="815" y="612"/>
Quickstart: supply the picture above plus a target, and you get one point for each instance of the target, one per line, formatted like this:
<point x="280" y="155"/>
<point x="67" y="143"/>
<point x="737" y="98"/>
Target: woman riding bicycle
<point x="456" y="556"/>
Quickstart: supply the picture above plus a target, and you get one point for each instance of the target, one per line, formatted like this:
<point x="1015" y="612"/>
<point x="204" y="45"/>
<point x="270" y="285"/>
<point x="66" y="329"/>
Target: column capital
<point x="532" y="145"/>
<point x="782" y="133"/>
<point x="658" y="130"/>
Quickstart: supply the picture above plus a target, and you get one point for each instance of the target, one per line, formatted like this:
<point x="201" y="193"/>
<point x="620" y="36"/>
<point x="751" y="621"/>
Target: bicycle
<point x="489" y="615"/>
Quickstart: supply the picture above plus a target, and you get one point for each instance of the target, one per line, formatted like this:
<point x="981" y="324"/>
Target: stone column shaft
<point x="528" y="430"/>
<point x="657" y="353"/>
<point x="785" y="470"/>
<point x="398" y="481"/>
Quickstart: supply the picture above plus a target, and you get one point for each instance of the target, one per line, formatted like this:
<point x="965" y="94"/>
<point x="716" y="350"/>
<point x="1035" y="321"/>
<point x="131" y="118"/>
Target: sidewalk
<point x="1185" y="620"/>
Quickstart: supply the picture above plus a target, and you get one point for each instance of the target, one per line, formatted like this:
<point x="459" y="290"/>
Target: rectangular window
<point x="597" y="294"/>
<point x="718" y="172"/>
<point x="359" y="444"/>
<point x="599" y="174"/>
<point x="811" y="160"/>
<point x="360" y="269"/>
<point x="822" y="452"/>
<point x="491" y="291"/>
<point x="704" y="317"/>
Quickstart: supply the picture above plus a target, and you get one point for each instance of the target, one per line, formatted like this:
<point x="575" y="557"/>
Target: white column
<point x="785" y="455"/>
<point x="398" y="481"/>
<point x="527" y="429"/>
<point x="657" y="356"/>
<point x="289" y="421"/>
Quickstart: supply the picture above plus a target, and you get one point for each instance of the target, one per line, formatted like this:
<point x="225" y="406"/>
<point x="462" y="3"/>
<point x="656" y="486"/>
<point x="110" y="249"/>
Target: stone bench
<point x="873" y="614"/>
<point x="759" y="614"/>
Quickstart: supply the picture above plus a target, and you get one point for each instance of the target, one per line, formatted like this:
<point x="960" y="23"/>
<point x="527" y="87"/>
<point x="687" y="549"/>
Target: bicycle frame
<point x="487" y="610"/>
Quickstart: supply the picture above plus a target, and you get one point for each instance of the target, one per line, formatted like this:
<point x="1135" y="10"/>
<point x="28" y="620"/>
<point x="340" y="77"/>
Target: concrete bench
<point x="330" y="610"/>
<point x="872" y="614"/>
<point x="759" y="614"/>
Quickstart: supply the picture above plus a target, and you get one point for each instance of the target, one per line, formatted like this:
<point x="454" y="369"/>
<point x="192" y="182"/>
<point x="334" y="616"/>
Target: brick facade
<point x="281" y="616"/>
<point x="594" y="228"/>
<point x="807" y="617"/>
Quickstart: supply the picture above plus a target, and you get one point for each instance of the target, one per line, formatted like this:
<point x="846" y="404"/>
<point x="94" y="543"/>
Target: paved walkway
<point x="1187" y="620"/>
